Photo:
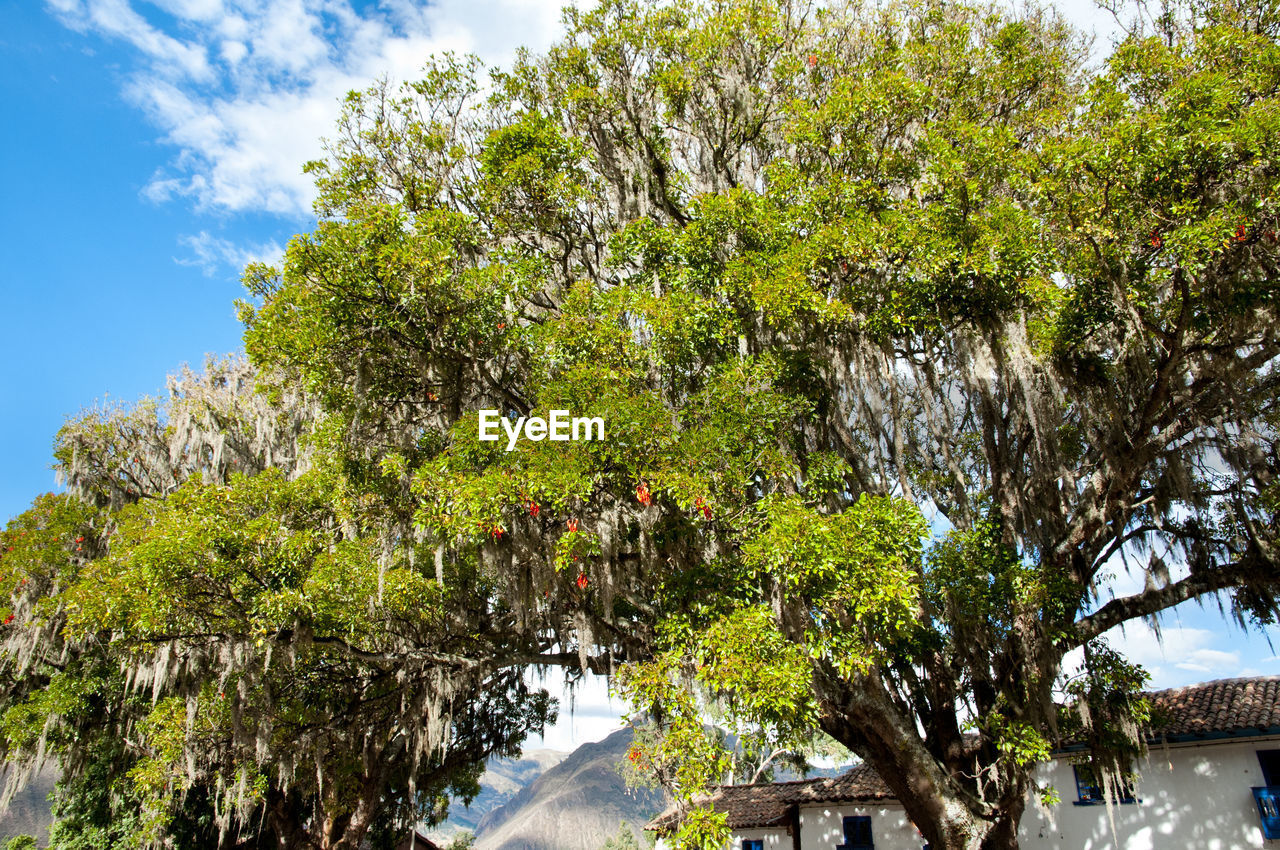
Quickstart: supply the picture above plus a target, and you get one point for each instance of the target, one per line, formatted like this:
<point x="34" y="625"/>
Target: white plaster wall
<point x="774" y="839"/>
<point x="822" y="827"/>
<point x="1191" y="797"/>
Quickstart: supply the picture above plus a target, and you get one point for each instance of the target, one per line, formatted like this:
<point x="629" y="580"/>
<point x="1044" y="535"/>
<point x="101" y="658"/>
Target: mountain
<point x="30" y="811"/>
<point x="576" y="805"/>
<point x="502" y="779"/>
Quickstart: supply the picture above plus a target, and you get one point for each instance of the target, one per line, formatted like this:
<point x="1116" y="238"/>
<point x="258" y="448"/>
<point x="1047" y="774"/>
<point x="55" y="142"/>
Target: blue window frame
<point x="753" y="844"/>
<point x="1267" y="796"/>
<point x="1089" y="790"/>
<point x="857" y="833"/>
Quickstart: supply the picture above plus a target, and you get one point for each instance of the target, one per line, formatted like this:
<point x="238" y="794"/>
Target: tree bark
<point x="862" y="716"/>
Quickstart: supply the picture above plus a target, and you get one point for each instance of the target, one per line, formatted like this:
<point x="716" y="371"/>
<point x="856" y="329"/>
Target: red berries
<point x="1156" y="241"/>
<point x="702" y="506"/>
<point x="1241" y="233"/>
<point x="534" y="510"/>
<point x="573" y="525"/>
<point x="496" y="532"/>
<point x="8" y="619"/>
<point x="581" y="581"/>
<point x="813" y="60"/>
<point x="643" y="496"/>
<point x="79" y="539"/>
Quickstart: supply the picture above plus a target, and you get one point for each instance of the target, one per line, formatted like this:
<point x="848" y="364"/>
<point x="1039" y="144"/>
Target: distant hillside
<point x="503" y="778"/>
<point x="576" y="805"/>
<point x="30" y="813"/>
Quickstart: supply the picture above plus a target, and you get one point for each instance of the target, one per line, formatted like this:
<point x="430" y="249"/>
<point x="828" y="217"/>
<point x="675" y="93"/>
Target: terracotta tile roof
<point x="770" y="805"/>
<point x="1224" y="707"/>
<point x="417" y="841"/>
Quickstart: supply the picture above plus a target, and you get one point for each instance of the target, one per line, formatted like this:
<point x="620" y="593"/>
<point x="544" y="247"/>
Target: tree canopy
<point x="910" y="329"/>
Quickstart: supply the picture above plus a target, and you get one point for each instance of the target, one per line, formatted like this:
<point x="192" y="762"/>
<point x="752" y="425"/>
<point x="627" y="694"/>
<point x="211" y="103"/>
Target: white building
<point x="1203" y="786"/>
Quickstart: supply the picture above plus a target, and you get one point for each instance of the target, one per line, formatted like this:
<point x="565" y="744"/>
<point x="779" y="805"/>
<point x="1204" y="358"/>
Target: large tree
<point x="909" y="329"/>
<point x="838" y="280"/>
<point x="219" y="639"/>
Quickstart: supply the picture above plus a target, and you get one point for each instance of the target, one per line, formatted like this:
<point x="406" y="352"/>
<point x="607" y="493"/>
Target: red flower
<point x="643" y="496"/>
<point x="502" y="326"/>
<point x="1156" y="241"/>
<point x="8" y="619"/>
<point x="1240" y="233"/>
<point x="534" y="510"/>
<point x="581" y="581"/>
<point x="79" y="539"/>
<point x="813" y="60"/>
<point x="496" y="532"/>
<point x="573" y="525"/>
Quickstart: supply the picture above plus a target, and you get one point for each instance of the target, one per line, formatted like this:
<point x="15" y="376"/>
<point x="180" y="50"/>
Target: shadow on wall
<point x="1188" y="799"/>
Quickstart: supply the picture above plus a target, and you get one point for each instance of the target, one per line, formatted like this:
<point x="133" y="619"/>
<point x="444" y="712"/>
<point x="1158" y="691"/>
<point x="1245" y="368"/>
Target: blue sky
<point x="150" y="149"/>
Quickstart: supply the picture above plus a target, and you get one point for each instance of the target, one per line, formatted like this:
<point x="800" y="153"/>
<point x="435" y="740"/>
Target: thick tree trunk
<point x="863" y="717"/>
<point x="346" y="827"/>
<point x="285" y="823"/>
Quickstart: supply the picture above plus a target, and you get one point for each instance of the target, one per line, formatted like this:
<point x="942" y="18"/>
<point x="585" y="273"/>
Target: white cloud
<point x="212" y="254"/>
<point x="245" y="90"/>
<point x="587" y="714"/>
<point x="1182" y="655"/>
<point x="170" y="57"/>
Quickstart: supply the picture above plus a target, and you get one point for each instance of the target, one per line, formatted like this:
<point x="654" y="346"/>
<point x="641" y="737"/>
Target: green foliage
<point x="626" y="840"/>
<point x="905" y="323"/>
<point x="1106" y="711"/>
<point x="462" y="841"/>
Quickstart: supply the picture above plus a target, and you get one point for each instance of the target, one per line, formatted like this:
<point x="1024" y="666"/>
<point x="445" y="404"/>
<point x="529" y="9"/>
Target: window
<point x="857" y="833"/>
<point x="1269" y="761"/>
<point x="1089" y="789"/>
<point x="1267" y="796"/>
<point x="753" y="844"/>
